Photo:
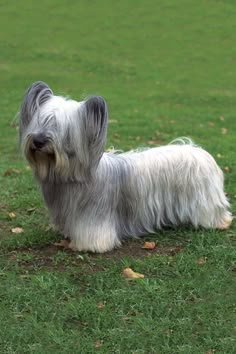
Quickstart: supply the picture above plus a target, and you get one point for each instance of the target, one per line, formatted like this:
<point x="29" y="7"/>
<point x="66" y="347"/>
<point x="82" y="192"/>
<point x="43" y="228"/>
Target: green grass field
<point x="166" y="69"/>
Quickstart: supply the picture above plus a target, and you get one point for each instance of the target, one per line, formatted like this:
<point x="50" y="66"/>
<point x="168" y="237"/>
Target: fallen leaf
<point x="211" y="351"/>
<point x="18" y="315"/>
<point x="130" y="274"/>
<point x="157" y="132"/>
<point x="12" y="215"/>
<point x="17" y="230"/>
<point x="224" y="131"/>
<point x="31" y="210"/>
<point x="98" y="344"/>
<point x="13" y="124"/>
<point x="168" y="331"/>
<point x="126" y="318"/>
<point x="116" y="136"/>
<point x="226" y="169"/>
<point x="151" y="142"/>
<point x="100" y="305"/>
<point x="130" y="314"/>
<point x="28" y="168"/>
<point x="11" y="171"/>
<point x="222" y="118"/>
<point x="201" y="260"/>
<point x="149" y="245"/>
<point x="24" y="276"/>
<point x="49" y="228"/>
<point x="62" y="243"/>
<point x="211" y="124"/>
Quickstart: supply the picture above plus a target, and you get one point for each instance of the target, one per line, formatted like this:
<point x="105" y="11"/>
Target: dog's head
<point x="61" y="138"/>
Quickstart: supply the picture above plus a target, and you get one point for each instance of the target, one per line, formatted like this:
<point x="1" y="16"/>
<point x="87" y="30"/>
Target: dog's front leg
<point x="94" y="235"/>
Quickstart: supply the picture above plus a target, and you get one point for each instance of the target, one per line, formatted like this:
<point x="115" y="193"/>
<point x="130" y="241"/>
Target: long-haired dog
<point x="97" y="198"/>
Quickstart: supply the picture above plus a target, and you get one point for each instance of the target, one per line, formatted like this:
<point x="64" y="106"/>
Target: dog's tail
<point x="182" y="141"/>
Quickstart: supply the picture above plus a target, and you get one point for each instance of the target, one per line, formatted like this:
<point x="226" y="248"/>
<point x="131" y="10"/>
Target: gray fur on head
<point x="97" y="198"/>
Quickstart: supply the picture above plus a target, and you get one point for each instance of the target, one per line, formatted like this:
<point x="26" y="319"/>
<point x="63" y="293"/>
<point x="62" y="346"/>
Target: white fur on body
<point x="170" y="185"/>
<point x="97" y="199"/>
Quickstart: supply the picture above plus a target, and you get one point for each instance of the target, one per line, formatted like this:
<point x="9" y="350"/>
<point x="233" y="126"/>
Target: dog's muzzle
<point x="38" y="141"/>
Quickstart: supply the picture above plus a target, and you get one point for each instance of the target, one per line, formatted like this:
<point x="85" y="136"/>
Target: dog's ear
<point x="95" y="120"/>
<point x="92" y="130"/>
<point x="37" y="94"/>
<point x="95" y="126"/>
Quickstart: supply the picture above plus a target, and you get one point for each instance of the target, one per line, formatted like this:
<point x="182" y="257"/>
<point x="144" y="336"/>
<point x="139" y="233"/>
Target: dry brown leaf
<point x="211" y="124"/>
<point x="130" y="274"/>
<point x="62" y="243"/>
<point x="24" y="276"/>
<point x="31" y="210"/>
<point x="116" y="136"/>
<point x="151" y="142"/>
<point x="11" y="215"/>
<point x="157" y="132"/>
<point x="14" y="170"/>
<point x="149" y="245"/>
<point x="226" y="169"/>
<point x="49" y="228"/>
<point x="201" y="260"/>
<point x="13" y="124"/>
<point x="11" y="171"/>
<point x="18" y="315"/>
<point x="98" y="344"/>
<point x="224" y="131"/>
<point x="17" y="230"/>
<point x="100" y="305"/>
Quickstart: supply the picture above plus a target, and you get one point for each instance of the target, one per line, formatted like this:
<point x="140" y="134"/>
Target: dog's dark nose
<point x="38" y="140"/>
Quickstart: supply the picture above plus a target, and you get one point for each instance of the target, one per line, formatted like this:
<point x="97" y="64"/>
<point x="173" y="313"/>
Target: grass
<point x="166" y="69"/>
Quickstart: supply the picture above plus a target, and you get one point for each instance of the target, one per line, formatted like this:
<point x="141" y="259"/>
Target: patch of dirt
<point x="133" y="249"/>
<point x="53" y="258"/>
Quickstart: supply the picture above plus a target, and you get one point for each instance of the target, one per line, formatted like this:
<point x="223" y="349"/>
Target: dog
<point x="97" y="198"/>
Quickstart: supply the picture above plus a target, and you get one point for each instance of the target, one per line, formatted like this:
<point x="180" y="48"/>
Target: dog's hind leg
<point x="225" y="221"/>
<point x="214" y="213"/>
<point x="213" y="218"/>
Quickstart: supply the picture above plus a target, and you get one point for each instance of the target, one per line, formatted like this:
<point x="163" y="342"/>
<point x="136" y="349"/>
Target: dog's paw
<point x="225" y="223"/>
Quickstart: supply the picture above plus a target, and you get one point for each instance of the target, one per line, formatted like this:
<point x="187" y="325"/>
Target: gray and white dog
<point x="98" y="198"/>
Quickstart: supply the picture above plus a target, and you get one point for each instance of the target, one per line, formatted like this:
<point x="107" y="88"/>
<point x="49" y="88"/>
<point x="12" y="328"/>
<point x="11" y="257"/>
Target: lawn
<point x="166" y="69"/>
